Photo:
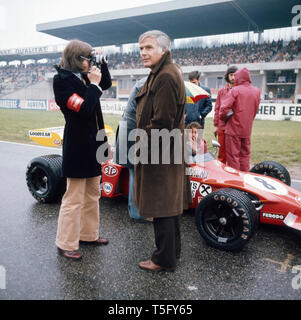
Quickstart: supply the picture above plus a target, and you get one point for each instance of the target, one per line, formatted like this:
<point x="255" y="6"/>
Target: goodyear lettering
<point x="40" y="134"/>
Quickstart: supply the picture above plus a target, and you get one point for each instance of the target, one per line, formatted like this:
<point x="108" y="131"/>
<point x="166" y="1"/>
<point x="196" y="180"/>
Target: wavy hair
<point x="71" y="58"/>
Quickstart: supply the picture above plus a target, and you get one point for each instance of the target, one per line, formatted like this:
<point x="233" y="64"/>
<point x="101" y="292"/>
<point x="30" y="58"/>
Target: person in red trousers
<point x="238" y="110"/>
<point x="219" y="126"/>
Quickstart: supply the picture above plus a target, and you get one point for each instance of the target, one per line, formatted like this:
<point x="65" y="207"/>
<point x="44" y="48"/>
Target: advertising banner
<point x="266" y="111"/>
<point x="9" y="103"/>
<point x="33" y="104"/>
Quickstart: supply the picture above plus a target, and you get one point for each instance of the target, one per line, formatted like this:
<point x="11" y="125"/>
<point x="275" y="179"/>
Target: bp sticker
<point x="266" y="184"/>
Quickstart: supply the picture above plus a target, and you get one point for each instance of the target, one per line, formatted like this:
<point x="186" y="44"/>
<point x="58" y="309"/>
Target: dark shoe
<point x="149" y="265"/>
<point x="74" y="255"/>
<point x="99" y="242"/>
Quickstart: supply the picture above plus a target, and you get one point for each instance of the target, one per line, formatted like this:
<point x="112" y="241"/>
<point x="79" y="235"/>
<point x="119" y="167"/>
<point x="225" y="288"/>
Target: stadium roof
<point x="178" y="19"/>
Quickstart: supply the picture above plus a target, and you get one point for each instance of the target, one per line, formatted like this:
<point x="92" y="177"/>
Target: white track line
<point x="29" y="145"/>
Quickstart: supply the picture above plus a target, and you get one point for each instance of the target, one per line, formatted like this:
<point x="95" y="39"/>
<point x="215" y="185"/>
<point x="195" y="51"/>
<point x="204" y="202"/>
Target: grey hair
<point x="162" y="38"/>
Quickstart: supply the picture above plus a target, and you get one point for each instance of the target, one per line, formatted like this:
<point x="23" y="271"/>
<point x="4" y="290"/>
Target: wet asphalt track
<point x="34" y="270"/>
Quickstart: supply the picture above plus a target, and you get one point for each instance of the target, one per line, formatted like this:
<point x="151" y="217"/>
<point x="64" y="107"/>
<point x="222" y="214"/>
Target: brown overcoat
<point x="161" y="190"/>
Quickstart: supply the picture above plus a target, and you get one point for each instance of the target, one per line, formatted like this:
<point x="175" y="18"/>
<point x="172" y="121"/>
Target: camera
<point x="98" y="59"/>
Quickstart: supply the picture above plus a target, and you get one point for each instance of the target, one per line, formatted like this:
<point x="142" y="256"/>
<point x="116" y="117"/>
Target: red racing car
<point x="228" y="203"/>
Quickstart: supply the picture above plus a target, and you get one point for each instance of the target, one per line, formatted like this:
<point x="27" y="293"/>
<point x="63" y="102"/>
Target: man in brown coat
<point x="159" y="188"/>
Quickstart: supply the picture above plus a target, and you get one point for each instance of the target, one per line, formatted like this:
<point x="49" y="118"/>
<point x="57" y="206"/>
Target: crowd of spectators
<point x="291" y="51"/>
<point x="225" y="54"/>
<point x="16" y="77"/>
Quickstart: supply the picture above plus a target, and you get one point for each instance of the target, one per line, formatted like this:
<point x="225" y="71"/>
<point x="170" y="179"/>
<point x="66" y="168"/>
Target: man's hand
<point x="94" y="75"/>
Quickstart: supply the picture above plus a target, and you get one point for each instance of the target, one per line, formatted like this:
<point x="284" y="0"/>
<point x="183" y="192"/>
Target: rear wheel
<point x="226" y="219"/>
<point x="44" y="178"/>
<point x="273" y="169"/>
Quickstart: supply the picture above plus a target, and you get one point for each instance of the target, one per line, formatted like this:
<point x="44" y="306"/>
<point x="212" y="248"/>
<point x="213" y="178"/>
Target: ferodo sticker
<point x="265" y="184"/>
<point x="110" y="171"/>
<point x="273" y="216"/>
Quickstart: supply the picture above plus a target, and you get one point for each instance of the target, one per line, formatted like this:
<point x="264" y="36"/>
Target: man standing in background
<point x="197" y="112"/>
<point x="238" y="111"/>
<point x="219" y="126"/>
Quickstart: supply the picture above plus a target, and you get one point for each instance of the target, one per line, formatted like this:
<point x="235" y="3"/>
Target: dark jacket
<point x="160" y="188"/>
<point x="79" y="141"/>
<point x="201" y="108"/>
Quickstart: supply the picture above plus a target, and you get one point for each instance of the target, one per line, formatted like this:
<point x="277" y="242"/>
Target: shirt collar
<point x="166" y="58"/>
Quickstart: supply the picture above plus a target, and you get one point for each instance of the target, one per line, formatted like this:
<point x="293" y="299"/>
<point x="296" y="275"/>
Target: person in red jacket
<point x="238" y="111"/>
<point x="219" y="126"/>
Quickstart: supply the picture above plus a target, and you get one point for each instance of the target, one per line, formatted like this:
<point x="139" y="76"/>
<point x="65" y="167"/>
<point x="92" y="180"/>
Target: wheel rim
<point x="222" y="222"/>
<point x="39" y="181"/>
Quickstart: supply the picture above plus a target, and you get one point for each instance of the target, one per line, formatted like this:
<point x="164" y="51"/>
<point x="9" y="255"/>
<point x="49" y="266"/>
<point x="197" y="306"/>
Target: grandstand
<point x="275" y="66"/>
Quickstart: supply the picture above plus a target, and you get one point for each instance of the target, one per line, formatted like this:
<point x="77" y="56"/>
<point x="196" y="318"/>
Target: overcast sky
<point x="18" y="18"/>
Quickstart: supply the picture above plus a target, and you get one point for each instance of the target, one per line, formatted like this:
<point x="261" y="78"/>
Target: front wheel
<point x="274" y="170"/>
<point x="226" y="219"/>
<point x="44" y="178"/>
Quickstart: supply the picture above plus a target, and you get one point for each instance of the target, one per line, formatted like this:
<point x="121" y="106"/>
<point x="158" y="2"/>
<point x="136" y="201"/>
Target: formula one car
<point x="228" y="203"/>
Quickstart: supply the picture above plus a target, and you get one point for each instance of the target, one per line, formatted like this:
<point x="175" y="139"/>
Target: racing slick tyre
<point x="226" y="219"/>
<point x="274" y="170"/>
<point x="44" y="178"/>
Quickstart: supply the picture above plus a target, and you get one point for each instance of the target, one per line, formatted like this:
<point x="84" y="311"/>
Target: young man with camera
<point x="81" y="77"/>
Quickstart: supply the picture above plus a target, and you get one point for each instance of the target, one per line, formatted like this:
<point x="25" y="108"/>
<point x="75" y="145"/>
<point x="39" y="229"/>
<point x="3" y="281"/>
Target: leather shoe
<point x="151" y="266"/>
<point x="74" y="255"/>
<point x="99" y="242"/>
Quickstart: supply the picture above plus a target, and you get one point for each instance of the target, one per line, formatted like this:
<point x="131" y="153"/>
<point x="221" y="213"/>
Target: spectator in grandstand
<point x="219" y="126"/>
<point x="238" y="109"/>
<point x="194" y="142"/>
<point x="77" y="88"/>
<point x="197" y="112"/>
<point x="123" y="143"/>
<point x="159" y="188"/>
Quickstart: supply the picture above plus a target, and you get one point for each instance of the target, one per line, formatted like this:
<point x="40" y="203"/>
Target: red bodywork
<point x="279" y="204"/>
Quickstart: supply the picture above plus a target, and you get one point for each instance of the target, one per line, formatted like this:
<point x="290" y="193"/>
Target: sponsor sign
<point x="273" y="216"/>
<point x="194" y="187"/>
<point x="9" y="103"/>
<point x="52" y="106"/>
<point x="205" y="189"/>
<point x="107" y="187"/>
<point x="114" y="107"/>
<point x="275" y="111"/>
<point x="110" y="171"/>
<point x="34" y="104"/>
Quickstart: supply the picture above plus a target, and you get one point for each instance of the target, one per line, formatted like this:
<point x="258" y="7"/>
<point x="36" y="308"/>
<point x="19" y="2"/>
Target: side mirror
<point x="215" y="145"/>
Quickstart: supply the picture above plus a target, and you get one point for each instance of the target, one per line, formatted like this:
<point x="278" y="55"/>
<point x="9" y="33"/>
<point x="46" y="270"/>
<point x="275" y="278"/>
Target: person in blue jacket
<point x="129" y="119"/>
<point x="197" y="112"/>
